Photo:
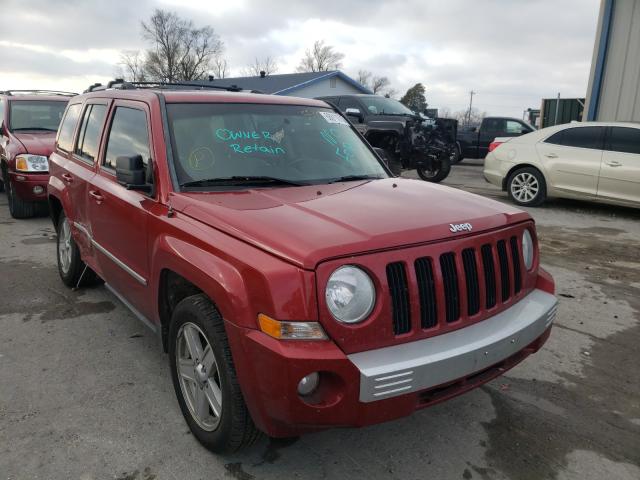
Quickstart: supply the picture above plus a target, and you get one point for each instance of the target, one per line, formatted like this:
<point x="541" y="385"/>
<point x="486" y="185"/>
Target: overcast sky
<point x="511" y="52"/>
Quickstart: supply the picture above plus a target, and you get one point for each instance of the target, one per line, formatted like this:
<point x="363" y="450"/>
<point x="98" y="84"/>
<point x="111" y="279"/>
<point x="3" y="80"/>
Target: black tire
<point x="77" y="273"/>
<point x="456" y="155"/>
<point x="392" y="161"/>
<point x="19" y="208"/>
<point x="517" y="177"/>
<point x="441" y="170"/>
<point x="235" y="428"/>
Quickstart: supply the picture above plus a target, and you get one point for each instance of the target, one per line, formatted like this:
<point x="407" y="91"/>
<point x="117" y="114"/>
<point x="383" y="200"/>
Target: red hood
<point x="40" y="143"/>
<point x="306" y="225"/>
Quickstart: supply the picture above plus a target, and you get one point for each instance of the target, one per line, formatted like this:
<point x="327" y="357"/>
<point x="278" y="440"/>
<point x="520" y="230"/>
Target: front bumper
<point x="24" y="184"/>
<point x="383" y="384"/>
<point x="401" y="369"/>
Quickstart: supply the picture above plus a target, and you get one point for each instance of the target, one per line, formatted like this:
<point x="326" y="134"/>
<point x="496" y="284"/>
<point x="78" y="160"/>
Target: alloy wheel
<point x="525" y="187"/>
<point x="199" y="376"/>
<point x="65" y="250"/>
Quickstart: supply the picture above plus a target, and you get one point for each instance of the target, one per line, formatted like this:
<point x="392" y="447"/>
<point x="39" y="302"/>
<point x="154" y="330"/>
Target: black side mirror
<point x="131" y="172"/>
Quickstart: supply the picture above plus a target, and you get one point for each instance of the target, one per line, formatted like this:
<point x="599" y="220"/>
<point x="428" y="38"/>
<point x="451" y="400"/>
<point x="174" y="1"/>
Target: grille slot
<point x="515" y="257"/>
<point x="471" y="279"/>
<point x="450" y="280"/>
<point x="427" y="293"/>
<point x="489" y="275"/>
<point x="399" y="292"/>
<point x="504" y="270"/>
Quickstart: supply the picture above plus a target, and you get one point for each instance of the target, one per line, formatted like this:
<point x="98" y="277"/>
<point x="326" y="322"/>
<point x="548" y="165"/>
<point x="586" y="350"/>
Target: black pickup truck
<point x="473" y="142"/>
<point x="406" y="140"/>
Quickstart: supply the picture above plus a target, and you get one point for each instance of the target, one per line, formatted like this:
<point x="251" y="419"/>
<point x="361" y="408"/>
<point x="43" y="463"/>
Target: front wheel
<point x="437" y="171"/>
<point x="18" y="208"/>
<point x="204" y="377"/>
<point x="527" y="187"/>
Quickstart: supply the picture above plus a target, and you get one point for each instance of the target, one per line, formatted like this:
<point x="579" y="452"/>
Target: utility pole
<point x="471" y="94"/>
<point x="555" y="122"/>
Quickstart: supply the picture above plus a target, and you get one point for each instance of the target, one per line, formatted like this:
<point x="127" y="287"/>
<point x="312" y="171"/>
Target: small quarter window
<point x="129" y="136"/>
<point x="68" y="127"/>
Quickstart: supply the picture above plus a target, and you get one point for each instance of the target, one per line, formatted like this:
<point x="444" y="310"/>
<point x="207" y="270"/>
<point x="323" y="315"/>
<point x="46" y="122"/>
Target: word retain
<point x="226" y="135"/>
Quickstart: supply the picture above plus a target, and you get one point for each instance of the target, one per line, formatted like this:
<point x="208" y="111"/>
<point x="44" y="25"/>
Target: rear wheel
<point x="72" y="270"/>
<point x="456" y="155"/>
<point x="527" y="187"/>
<point x="204" y="377"/>
<point x="437" y="171"/>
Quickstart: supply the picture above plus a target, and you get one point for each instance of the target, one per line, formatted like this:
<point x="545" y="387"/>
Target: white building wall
<point x="323" y="88"/>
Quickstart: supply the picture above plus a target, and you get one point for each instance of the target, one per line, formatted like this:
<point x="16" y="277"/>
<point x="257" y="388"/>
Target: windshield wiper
<point x="34" y="128"/>
<point x="352" y="178"/>
<point x="241" y="180"/>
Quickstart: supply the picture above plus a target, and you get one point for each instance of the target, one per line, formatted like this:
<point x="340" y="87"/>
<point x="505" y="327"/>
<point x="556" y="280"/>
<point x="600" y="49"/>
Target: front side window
<point x="89" y="137"/>
<point x="65" y="134"/>
<point x="348" y="102"/>
<point x="515" y="127"/>
<point x="624" y="139"/>
<point x="581" y="137"/>
<point x="35" y="115"/>
<point x="294" y="143"/>
<point x="129" y="136"/>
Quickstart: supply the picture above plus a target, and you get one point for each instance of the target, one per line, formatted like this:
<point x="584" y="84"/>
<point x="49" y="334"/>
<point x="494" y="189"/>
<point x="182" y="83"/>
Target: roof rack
<point x="38" y="92"/>
<point x="124" y="85"/>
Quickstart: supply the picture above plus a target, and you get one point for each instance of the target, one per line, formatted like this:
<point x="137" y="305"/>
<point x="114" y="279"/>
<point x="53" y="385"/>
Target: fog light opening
<point x="38" y="190"/>
<point x="308" y="384"/>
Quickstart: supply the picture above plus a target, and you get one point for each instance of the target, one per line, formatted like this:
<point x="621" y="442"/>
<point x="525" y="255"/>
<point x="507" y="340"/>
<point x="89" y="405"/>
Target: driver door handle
<point x="613" y="163"/>
<point x="96" y="195"/>
<point x="551" y="155"/>
<point x="67" y="177"/>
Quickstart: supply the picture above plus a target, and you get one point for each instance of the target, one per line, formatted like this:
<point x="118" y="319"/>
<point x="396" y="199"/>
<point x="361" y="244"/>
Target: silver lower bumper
<point x="392" y="371"/>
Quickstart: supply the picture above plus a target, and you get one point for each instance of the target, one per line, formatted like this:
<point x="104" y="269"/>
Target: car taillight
<point x="494" y="145"/>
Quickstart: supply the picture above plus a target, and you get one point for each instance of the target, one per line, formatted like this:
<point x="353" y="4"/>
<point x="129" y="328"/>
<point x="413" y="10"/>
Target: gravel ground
<point x="85" y="392"/>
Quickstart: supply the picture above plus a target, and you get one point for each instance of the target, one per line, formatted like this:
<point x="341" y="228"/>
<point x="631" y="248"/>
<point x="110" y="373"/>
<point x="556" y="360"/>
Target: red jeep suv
<point x="295" y="284"/>
<point x="29" y="120"/>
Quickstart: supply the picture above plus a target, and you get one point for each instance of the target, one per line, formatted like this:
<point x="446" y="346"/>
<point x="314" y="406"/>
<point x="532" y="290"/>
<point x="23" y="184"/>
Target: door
<point x="620" y="171"/>
<point x="80" y="167"/>
<point x="118" y="217"/>
<point x="571" y="158"/>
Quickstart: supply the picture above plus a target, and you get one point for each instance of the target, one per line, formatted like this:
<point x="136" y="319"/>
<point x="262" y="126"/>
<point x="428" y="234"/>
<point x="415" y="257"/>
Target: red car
<point x="29" y="120"/>
<point x="295" y="284"/>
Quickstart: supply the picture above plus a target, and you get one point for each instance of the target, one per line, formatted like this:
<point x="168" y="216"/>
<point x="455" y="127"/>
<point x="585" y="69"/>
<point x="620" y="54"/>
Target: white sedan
<point x="583" y="160"/>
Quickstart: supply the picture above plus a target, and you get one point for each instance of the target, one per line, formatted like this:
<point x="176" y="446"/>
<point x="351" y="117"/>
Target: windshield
<point x="36" y="115"/>
<point x="295" y="144"/>
<point x="379" y="105"/>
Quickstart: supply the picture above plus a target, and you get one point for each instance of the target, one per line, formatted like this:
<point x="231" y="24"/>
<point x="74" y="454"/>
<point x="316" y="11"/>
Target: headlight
<point x="32" y="163"/>
<point x="350" y="294"/>
<point x="527" y="249"/>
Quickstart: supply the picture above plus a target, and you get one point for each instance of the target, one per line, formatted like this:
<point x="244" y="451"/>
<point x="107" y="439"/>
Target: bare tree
<point x="320" y="58"/>
<point x="378" y="83"/>
<point x="466" y="117"/>
<point x="445" y="112"/>
<point x="267" y="65"/>
<point x="179" y="50"/>
<point x="364" y="76"/>
<point x="219" y="68"/>
<point x="132" y="66"/>
<point x="391" y="93"/>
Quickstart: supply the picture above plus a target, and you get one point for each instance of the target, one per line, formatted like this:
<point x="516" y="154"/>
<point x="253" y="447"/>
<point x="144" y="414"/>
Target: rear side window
<point x="1" y="112"/>
<point x="129" y="136"/>
<point x="89" y="137"/>
<point x="494" y="125"/>
<point x="624" y="139"/>
<point x="581" y="137"/>
<point x="68" y="126"/>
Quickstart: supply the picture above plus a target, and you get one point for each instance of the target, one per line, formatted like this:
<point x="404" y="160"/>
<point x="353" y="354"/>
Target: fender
<point x="219" y="280"/>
